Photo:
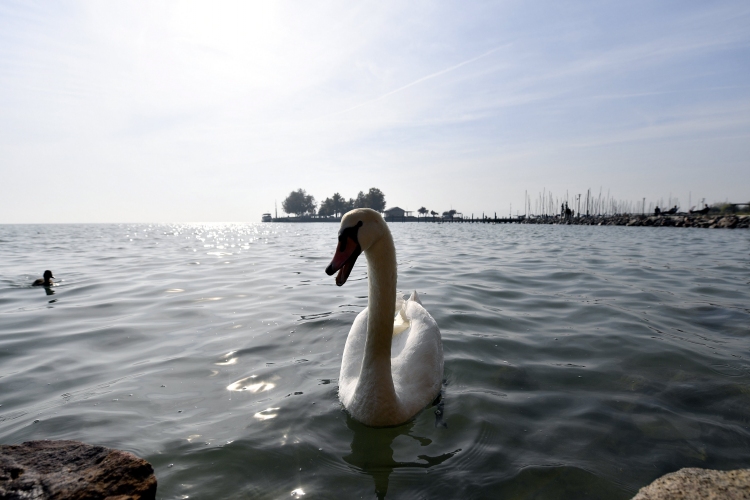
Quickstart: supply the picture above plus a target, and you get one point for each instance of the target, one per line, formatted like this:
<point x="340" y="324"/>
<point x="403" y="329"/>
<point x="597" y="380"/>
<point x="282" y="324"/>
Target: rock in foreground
<point x="695" y="484"/>
<point x="73" y="470"/>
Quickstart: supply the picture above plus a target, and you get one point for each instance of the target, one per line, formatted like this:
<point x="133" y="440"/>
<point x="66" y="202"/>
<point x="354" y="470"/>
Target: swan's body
<point x="416" y="368"/>
<point x="391" y="368"/>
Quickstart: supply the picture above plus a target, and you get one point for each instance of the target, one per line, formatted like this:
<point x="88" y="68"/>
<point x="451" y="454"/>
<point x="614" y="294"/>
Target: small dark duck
<point x="46" y="281"/>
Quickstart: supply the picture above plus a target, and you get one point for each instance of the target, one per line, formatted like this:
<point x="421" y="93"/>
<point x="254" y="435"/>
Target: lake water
<point x="580" y="362"/>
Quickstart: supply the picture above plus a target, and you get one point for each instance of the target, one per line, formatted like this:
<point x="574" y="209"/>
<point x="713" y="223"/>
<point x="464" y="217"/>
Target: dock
<point x="441" y="220"/>
<point x="456" y="220"/>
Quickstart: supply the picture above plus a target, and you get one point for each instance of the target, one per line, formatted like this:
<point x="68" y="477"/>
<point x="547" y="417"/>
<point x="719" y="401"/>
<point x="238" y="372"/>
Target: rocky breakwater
<point x="719" y="221"/>
<point x="698" y="484"/>
<point x="47" y="470"/>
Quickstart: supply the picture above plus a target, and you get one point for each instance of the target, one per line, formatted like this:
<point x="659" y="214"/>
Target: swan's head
<point x="360" y="228"/>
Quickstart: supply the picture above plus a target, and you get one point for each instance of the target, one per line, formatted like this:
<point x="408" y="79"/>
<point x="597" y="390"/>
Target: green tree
<point x="326" y="208"/>
<point x="347" y="206"/>
<point x="374" y="199"/>
<point x="336" y="205"/>
<point x="299" y="203"/>
<point x="361" y="201"/>
<point x="339" y="204"/>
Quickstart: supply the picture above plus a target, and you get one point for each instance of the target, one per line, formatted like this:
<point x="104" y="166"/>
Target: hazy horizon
<point x="187" y="111"/>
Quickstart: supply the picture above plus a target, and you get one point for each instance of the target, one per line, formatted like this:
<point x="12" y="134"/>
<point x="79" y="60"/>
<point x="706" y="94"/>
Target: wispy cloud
<point x="423" y="79"/>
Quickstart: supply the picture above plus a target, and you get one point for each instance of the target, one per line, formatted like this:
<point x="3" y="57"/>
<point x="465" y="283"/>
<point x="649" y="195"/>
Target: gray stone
<point x="699" y="484"/>
<point x="58" y="470"/>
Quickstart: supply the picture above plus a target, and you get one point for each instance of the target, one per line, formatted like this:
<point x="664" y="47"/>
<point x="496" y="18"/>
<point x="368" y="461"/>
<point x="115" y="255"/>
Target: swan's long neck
<point x="376" y="365"/>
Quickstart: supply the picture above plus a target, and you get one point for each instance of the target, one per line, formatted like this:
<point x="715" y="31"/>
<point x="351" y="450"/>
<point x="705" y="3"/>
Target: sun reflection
<point x="231" y="361"/>
<point x="243" y="385"/>
<point x="297" y="493"/>
<point x="259" y="387"/>
<point x="266" y="414"/>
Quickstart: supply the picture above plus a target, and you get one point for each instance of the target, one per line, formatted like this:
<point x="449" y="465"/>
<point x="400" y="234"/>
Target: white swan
<point x="391" y="368"/>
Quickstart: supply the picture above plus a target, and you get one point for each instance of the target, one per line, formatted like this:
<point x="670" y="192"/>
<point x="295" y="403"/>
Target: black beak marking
<point x="349" y="232"/>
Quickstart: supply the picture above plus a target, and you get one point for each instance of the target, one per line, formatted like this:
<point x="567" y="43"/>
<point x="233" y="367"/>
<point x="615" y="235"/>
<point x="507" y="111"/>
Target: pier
<point x="672" y="220"/>
<point x="451" y="220"/>
<point x="411" y="218"/>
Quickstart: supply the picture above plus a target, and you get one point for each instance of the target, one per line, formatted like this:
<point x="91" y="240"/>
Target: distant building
<point x="395" y="212"/>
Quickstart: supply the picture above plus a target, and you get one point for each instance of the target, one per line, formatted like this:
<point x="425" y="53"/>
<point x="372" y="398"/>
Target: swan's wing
<point x="354" y="352"/>
<point x="399" y="302"/>
<point x="400" y="322"/>
<point x="417" y="358"/>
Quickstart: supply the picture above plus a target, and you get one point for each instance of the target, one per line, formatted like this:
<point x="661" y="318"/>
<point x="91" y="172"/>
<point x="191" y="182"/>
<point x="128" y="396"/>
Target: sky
<point x="152" y="111"/>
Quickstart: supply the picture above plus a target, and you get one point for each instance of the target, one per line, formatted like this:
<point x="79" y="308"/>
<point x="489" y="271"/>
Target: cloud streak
<point x="423" y="79"/>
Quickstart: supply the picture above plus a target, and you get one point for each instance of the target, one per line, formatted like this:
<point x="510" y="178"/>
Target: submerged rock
<point x="698" y="484"/>
<point x="73" y="470"/>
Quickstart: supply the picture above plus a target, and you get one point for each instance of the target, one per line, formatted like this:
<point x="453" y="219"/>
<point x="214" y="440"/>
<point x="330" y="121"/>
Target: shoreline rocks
<point x="73" y="470"/>
<point x="681" y="220"/>
<point x="698" y="484"/>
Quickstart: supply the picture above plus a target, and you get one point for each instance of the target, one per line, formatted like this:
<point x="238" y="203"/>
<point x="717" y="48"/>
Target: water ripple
<point x="580" y="362"/>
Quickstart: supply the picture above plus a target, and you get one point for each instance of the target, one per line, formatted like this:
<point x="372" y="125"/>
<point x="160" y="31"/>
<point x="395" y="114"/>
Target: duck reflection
<point x="372" y="452"/>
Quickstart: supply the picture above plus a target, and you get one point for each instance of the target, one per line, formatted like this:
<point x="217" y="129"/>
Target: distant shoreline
<point x="677" y="220"/>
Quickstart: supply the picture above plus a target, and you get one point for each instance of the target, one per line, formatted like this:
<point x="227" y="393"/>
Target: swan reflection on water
<point x="372" y="452"/>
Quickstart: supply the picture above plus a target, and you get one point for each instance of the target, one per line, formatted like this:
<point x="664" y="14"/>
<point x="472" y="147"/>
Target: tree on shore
<point x="433" y="213"/>
<point x="361" y="201"/>
<point x="422" y="211"/>
<point x="449" y="214"/>
<point x="336" y="205"/>
<point x="374" y="199"/>
<point x="299" y="203"/>
<point x="326" y="208"/>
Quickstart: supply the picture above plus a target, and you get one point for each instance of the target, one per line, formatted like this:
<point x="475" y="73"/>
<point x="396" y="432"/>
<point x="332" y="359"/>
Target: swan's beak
<point x="343" y="261"/>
